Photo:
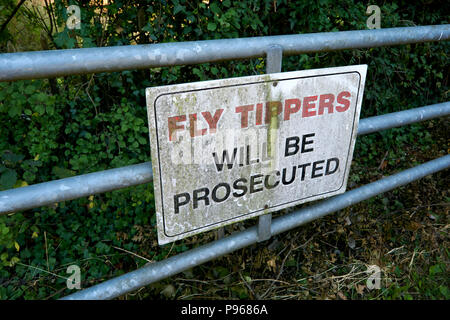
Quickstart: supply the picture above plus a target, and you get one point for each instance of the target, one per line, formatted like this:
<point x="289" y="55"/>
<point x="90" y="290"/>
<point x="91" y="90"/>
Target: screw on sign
<point x="232" y="149"/>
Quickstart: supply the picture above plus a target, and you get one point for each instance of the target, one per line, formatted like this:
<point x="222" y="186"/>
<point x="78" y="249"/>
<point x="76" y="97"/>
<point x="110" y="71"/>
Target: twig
<point x="279" y="273"/>
<point x="46" y="250"/>
<point x="53" y="274"/>
<point x="248" y="286"/>
<point x="13" y="13"/>
<point x="134" y="254"/>
<point x="93" y="103"/>
<point x="395" y="249"/>
<point x="412" y="259"/>
<point x="55" y="293"/>
<point x="272" y="280"/>
<point x="194" y="280"/>
<point x="170" y="250"/>
<point x="381" y="163"/>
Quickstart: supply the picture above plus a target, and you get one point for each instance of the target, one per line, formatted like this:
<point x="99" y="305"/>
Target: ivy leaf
<point x="41" y="97"/>
<point x="62" y="172"/>
<point x="214" y="71"/>
<point x="39" y="109"/>
<point x="444" y="291"/>
<point x="88" y="43"/>
<point x="214" y="8"/>
<point x="8" y="179"/>
<point x="29" y="89"/>
<point x="15" y="110"/>
<point x="197" y="72"/>
<point x="212" y="26"/>
<point x="148" y="27"/>
<point x="12" y="157"/>
<point x="179" y="8"/>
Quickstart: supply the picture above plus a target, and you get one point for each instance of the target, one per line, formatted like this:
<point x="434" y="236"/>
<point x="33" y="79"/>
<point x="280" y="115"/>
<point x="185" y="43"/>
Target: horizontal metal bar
<point x="160" y="270"/>
<point x="397" y="119"/>
<point x="103" y="181"/>
<point x="46" y="193"/>
<point x="53" y="63"/>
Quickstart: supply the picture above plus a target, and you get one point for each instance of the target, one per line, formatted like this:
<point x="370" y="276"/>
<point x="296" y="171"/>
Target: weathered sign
<point x="231" y="149"/>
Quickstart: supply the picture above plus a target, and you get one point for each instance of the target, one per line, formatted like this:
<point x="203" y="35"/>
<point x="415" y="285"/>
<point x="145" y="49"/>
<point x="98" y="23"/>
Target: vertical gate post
<point x="274" y="57"/>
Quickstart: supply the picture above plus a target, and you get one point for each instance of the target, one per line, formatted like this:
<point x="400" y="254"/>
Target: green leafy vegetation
<point x="57" y="128"/>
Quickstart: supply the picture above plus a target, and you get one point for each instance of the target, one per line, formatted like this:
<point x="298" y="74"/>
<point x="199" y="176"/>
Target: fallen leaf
<point x="169" y="291"/>
<point x="360" y="288"/>
<point x="342" y="296"/>
<point x="347" y="221"/>
<point x="351" y="243"/>
<point x="413" y="226"/>
<point x="138" y="238"/>
<point x="272" y="264"/>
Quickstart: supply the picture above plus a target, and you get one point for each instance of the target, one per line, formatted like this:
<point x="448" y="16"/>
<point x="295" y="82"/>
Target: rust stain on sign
<point x="231" y="149"/>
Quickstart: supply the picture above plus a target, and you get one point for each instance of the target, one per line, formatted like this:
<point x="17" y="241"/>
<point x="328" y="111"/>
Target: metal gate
<point x="45" y="64"/>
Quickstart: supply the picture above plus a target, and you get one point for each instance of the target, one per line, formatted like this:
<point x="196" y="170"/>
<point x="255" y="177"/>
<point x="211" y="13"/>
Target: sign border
<point x="270" y="209"/>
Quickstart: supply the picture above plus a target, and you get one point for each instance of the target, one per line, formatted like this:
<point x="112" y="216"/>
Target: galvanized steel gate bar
<point x="47" y="193"/>
<point x="173" y="265"/>
<point x="53" y="63"/>
<point x="44" y="64"/>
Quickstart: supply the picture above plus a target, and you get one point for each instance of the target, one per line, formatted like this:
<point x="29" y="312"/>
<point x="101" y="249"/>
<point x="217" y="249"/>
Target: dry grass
<point x="403" y="232"/>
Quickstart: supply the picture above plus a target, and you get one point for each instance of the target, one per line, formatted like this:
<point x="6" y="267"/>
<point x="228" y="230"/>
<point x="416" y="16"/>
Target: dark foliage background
<point x="56" y="128"/>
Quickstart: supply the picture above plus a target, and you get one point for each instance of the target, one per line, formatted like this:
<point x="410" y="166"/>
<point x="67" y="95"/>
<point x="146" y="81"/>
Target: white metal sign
<point x="231" y="149"/>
